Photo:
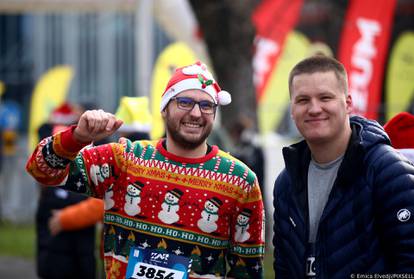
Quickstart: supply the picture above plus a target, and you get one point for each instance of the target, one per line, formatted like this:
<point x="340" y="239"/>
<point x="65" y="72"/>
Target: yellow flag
<point x="399" y="91"/>
<point x="50" y="92"/>
<point x="175" y="55"/>
<point x="275" y="99"/>
<point x="134" y="112"/>
<point x="2" y="88"/>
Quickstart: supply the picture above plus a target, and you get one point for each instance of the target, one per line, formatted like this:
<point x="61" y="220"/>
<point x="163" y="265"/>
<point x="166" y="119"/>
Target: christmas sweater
<point x="208" y="209"/>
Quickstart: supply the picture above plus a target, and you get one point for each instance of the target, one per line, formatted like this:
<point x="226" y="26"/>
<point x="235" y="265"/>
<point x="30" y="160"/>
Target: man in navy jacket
<point x="344" y="204"/>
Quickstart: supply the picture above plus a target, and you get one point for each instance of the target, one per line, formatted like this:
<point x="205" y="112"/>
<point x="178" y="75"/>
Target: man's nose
<point x="196" y="110"/>
<point x="314" y="106"/>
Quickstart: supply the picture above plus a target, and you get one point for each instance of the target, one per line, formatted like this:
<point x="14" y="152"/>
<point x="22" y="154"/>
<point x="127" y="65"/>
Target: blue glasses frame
<point x="187" y="104"/>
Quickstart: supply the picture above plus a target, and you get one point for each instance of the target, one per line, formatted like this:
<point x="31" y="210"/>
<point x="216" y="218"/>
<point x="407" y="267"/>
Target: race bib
<point x="310" y="267"/>
<point x="156" y="264"/>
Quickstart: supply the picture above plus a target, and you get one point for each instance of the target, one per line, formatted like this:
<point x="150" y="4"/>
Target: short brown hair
<point x="320" y="63"/>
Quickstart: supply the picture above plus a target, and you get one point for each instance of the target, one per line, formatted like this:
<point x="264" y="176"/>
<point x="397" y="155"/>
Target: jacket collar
<point x="298" y="156"/>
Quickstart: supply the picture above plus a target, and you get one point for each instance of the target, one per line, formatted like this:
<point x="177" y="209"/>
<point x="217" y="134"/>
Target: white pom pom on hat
<point x="224" y="98"/>
<point x="195" y="76"/>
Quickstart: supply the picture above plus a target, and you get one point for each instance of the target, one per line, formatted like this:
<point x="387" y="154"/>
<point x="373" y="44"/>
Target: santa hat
<point x="195" y="76"/>
<point x="400" y="129"/>
<point x="64" y="114"/>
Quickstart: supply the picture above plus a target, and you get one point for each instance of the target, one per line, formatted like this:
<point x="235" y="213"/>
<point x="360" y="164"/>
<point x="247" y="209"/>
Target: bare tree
<point x="229" y="33"/>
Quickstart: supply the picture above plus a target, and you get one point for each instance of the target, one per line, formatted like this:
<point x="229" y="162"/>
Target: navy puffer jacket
<point x="367" y="225"/>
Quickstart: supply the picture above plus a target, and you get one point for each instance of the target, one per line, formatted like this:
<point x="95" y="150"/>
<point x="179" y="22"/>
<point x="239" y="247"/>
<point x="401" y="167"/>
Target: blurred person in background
<point x="400" y="129"/>
<point x="246" y="146"/>
<point x="344" y="203"/>
<point x="177" y="197"/>
<point x="2" y="89"/>
<point x="65" y="247"/>
<point x="134" y="112"/>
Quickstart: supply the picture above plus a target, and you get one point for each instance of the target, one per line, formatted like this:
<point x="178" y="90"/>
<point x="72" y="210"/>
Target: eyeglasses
<point x="188" y="104"/>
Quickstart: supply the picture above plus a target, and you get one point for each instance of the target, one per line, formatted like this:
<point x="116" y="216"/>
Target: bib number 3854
<point x="148" y="271"/>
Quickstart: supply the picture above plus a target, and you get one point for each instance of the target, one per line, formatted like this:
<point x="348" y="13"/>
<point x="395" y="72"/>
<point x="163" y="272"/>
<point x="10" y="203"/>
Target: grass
<point x="268" y="264"/>
<point x="19" y="241"/>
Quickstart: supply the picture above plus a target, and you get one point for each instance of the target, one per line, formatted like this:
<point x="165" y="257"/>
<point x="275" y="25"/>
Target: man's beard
<point x="182" y="141"/>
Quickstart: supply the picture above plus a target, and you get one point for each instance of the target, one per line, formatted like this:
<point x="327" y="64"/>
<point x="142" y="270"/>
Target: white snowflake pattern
<point x="210" y="258"/>
<point x="54" y="160"/>
<point x="78" y="184"/>
<point x="178" y="251"/>
<point x="257" y="267"/>
<point x="145" y="244"/>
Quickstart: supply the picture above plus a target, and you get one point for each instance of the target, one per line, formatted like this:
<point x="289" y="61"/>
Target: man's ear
<point x="349" y="104"/>
<point x="164" y="113"/>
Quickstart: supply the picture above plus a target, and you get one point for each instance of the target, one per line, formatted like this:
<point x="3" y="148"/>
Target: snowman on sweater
<point x="133" y="198"/>
<point x="99" y="173"/>
<point x="170" y="206"/>
<point x="108" y="201"/>
<point x="242" y="226"/>
<point x="209" y="215"/>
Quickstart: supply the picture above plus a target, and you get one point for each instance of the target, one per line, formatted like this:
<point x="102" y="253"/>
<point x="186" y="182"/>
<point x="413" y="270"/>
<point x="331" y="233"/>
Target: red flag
<point x="363" y="49"/>
<point x="273" y="20"/>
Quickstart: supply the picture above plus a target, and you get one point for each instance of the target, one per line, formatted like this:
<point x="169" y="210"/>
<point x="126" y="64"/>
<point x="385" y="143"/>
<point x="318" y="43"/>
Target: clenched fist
<point x="95" y="125"/>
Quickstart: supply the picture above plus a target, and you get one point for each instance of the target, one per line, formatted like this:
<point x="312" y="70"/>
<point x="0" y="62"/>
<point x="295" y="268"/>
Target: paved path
<point x="16" y="268"/>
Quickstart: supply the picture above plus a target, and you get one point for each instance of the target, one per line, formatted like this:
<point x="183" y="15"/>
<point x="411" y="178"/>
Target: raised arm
<point x="77" y="216"/>
<point x="49" y="163"/>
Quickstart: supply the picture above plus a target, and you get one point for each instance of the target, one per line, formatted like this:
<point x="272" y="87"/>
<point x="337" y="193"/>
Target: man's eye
<point x="326" y="98"/>
<point x="207" y="105"/>
<point x="299" y="101"/>
<point x="185" y="102"/>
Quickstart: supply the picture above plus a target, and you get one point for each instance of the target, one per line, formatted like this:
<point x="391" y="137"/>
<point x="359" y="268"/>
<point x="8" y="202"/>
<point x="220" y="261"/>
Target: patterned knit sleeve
<point x="248" y="228"/>
<point x="61" y="161"/>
